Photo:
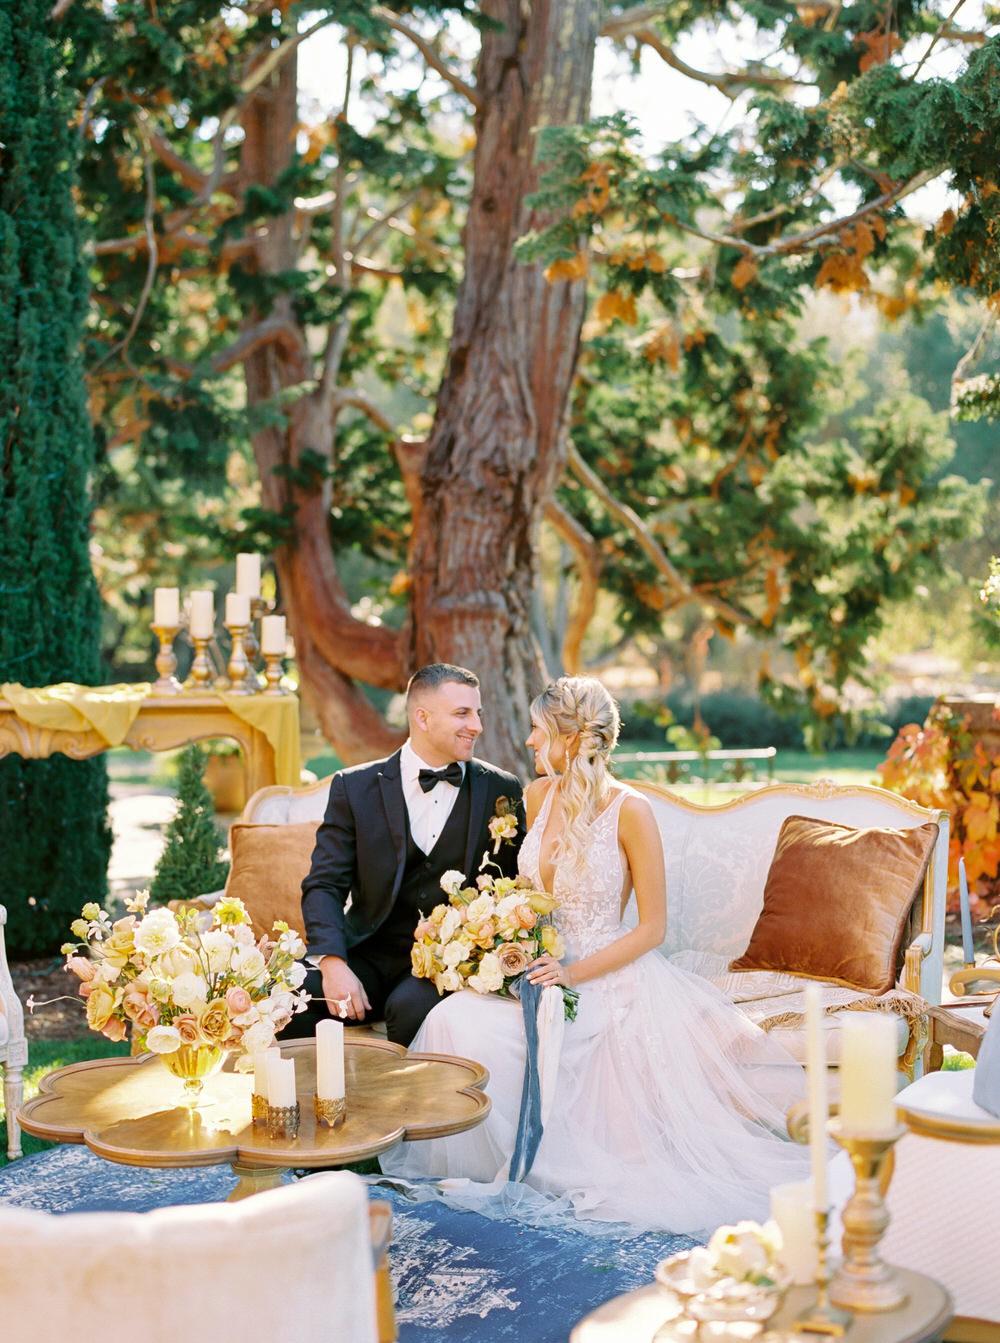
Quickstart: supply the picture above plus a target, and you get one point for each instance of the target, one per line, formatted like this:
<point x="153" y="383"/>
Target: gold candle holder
<point x="823" y="1317"/>
<point x="166" y="682"/>
<point x="283" y="1121"/>
<point x="273" y="672"/>
<point x="258" y="1108"/>
<point x="200" y="677"/>
<point x="258" y="607"/>
<point x="332" y="1113"/>
<point x="864" y="1282"/>
<point x="241" y="678"/>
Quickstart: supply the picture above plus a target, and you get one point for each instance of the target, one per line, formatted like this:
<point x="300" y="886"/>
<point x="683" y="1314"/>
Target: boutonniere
<point x="503" y="824"/>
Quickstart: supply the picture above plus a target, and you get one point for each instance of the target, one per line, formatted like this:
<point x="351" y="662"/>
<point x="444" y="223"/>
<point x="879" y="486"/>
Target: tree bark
<point x="496" y="446"/>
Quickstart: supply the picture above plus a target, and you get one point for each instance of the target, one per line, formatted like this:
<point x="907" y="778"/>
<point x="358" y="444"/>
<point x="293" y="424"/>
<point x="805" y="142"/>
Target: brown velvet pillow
<point x="269" y="863"/>
<point x="837" y="900"/>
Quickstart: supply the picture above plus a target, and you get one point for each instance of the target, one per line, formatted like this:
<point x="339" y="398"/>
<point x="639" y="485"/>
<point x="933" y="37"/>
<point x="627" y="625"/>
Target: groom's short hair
<point x="437" y="674"/>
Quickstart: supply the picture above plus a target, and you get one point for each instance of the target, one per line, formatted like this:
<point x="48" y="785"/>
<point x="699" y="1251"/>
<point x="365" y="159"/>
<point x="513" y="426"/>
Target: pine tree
<point x="191" y="864"/>
<point x="54" y="840"/>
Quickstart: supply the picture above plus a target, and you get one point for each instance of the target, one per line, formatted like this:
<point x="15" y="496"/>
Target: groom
<point x="392" y="829"/>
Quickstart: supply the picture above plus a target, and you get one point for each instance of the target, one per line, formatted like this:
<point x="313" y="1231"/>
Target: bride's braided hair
<point x="580" y="706"/>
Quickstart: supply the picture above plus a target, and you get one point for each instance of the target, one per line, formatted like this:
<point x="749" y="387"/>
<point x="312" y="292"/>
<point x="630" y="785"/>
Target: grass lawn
<point x="43" y="1056"/>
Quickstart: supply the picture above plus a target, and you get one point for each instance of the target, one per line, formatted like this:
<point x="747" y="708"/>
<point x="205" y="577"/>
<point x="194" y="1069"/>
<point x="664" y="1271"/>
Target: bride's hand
<point x="547" y="970"/>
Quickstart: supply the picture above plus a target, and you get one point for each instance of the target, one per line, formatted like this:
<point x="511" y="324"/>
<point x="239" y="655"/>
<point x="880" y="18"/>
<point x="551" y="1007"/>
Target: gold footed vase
<point x="192" y="1064"/>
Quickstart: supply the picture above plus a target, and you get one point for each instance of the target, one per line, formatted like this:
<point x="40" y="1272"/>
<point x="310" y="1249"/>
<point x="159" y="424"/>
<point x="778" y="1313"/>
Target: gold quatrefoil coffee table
<point x="130" y="1110"/>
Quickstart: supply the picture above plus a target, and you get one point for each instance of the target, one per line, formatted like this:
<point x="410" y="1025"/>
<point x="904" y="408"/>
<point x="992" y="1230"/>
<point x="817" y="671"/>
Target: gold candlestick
<point x="258" y="607"/>
<point x="330" y="1112"/>
<point x="863" y="1281"/>
<point x="823" y="1318"/>
<point x="273" y="672"/>
<point x="166" y="682"/>
<point x="201" y="668"/>
<point x="242" y="680"/>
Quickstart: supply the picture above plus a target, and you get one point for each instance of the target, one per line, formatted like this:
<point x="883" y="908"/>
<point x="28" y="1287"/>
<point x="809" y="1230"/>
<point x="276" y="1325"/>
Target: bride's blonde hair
<point x="580" y="706"/>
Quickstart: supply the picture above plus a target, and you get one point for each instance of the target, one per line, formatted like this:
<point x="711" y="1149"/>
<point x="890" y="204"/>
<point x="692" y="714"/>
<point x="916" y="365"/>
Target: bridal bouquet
<point x="190" y="978"/>
<point x="486" y="936"/>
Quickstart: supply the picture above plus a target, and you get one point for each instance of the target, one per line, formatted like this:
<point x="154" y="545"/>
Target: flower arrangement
<point x="187" y="978"/>
<point x="744" y="1253"/>
<point x="503" y="824"/>
<point x="487" y="935"/>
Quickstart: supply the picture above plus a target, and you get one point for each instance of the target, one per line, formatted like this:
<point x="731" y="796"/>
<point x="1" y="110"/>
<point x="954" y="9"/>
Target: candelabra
<point x="166" y="682"/>
<point x="864" y="1282"/>
<point x="242" y="678"/>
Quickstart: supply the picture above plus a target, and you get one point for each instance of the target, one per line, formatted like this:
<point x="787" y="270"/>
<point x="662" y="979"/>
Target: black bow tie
<point x="452" y="774"/>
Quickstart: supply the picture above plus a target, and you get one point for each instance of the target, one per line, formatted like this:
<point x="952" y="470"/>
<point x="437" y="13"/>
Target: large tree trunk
<point x="496" y="446"/>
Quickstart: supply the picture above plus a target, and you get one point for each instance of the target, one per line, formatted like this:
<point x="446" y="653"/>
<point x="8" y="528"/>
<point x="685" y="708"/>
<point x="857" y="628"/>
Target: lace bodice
<point x="589" y="911"/>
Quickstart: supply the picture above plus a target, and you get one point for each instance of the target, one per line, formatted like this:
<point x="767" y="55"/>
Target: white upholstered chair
<point x="13" y="1047"/>
<point x="291" y="1264"/>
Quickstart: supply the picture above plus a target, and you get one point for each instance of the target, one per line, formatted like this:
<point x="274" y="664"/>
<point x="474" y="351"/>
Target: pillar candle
<point x="248" y="575"/>
<point x="237" y="608"/>
<point x="330" y="1060"/>
<point x="272" y="635"/>
<point x="280" y="1081"/>
<point x="202" y="621"/>
<point x="260" y="1059"/>
<point x="792" y="1211"/>
<point x="868" y="1056"/>
<point x="166" y="607"/>
<point x="819" y="1109"/>
<point x="968" y="954"/>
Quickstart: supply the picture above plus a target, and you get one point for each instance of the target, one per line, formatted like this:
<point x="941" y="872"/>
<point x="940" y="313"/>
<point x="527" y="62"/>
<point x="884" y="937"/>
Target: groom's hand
<point x="343" y="990"/>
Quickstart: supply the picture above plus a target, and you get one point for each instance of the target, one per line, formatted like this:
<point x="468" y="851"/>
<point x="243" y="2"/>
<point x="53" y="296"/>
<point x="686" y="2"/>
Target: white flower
<point x="249" y="964"/>
<point x="450" y="925"/>
<point x="489" y="977"/>
<point x="244" y="935"/>
<point x="258" y="1037"/>
<point x="296" y="974"/>
<point x="450" y="981"/>
<point x="138" y="903"/>
<point x="292" y="944"/>
<point x="179" y="960"/>
<point x="452" y="881"/>
<point x="481" y="908"/>
<point x="745" y="1251"/>
<point x="189" y="990"/>
<point x="157" y="933"/>
<point x="218" y="947"/>
<point x="106" y="973"/>
<point x="163" y="1040"/>
<point x="453" y="955"/>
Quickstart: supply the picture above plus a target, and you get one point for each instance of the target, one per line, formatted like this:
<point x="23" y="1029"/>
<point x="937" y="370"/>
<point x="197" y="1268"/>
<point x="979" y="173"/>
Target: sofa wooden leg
<point x="380" y="1215"/>
<point x="13" y="1096"/>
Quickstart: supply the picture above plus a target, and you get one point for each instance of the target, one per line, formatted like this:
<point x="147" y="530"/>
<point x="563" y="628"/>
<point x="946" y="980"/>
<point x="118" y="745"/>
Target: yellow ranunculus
<point x="552" y="942"/>
<point x="100" y="1005"/>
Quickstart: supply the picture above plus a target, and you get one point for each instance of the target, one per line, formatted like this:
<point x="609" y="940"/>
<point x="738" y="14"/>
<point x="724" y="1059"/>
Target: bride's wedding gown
<point x="669" y="1106"/>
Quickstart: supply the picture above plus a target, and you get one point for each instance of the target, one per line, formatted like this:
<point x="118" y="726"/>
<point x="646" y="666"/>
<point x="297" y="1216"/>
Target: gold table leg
<point x="255" y="1179"/>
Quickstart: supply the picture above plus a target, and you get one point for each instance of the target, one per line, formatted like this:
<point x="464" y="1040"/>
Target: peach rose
<point x="481" y="934"/>
<point x="214" y="1021"/>
<point x="514" y="960"/>
<point x="187" y="1028"/>
<point x="525" y="916"/>
<point x="140" y="1008"/>
<point x="82" y="967"/>
<point x="423" y="929"/>
<point x="114" y="1029"/>
<point x="238" y="1001"/>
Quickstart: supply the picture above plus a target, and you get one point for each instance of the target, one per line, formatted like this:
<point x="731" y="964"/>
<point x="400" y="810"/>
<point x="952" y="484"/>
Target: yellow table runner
<point x="110" y="709"/>
<point x="277" y="716"/>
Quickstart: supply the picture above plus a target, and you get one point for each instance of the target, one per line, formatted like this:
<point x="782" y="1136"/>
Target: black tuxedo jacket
<point x="360" y="854"/>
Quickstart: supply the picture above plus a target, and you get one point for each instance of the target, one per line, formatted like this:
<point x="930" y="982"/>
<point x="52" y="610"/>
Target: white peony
<point x="453" y="955"/>
<point x="190" y="990"/>
<point x="156" y="933"/>
<point x="450" y="925"/>
<point x="218" y="947"/>
<point x="163" y="1040"/>
<point x="452" y="882"/>
<point x="489" y="977"/>
<point x="481" y="908"/>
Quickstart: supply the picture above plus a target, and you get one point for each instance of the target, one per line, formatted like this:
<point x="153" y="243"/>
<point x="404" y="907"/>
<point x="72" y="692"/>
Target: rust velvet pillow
<point x="837" y="900"/>
<point x="269" y="863"/>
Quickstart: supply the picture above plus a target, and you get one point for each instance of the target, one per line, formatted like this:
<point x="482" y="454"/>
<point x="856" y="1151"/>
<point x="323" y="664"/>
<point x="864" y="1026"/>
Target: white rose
<point x="509" y="903"/>
<point x="740" y="1251"/>
<point x="163" y="1040"/>
<point x="189" y="990"/>
<point x="450" y="981"/>
<point x="452" y="882"/>
<point x="453" y="955"/>
<point x="481" y="908"/>
<point x="180" y="960"/>
<point x="249" y="964"/>
<point x="258" y="1037"/>
<point x="489" y="977"/>
<point x="156" y="933"/>
<point x="450" y="925"/>
<point x="218" y="947"/>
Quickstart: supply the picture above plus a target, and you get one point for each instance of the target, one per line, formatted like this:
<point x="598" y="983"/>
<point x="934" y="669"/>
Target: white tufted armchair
<point x="13" y="1047"/>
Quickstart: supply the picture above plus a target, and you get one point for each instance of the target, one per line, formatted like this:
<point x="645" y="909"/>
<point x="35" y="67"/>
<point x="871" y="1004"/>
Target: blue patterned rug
<point x="459" y="1277"/>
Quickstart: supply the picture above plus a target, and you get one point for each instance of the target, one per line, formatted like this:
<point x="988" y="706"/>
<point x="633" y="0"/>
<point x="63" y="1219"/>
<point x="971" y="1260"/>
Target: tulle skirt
<point x="668" y="1112"/>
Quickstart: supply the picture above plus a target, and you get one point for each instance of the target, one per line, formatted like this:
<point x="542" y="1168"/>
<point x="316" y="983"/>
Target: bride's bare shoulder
<point x="637" y="816"/>
<point x="534" y="796"/>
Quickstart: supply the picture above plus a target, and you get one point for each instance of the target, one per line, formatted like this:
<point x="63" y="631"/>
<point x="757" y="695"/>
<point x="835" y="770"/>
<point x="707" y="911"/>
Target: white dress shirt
<point x="428" y="812"/>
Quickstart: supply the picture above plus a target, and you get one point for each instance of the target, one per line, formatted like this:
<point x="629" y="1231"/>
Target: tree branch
<point x="190" y="175"/>
<point x="647" y="543"/>
<point x="968" y="359"/>
<point x="149" y="212"/>
<point x="732" y="83"/>
<point x="588" y="570"/>
<point x="942" y="29"/>
<point x="430" y="55"/>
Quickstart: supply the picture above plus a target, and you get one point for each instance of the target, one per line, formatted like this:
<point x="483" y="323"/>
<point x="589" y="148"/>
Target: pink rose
<point x="82" y="967"/>
<point x="140" y="1008"/>
<point x="84" y="990"/>
<point x="113" y="1029"/>
<point x="187" y="1028"/>
<point x="238" y="1001"/>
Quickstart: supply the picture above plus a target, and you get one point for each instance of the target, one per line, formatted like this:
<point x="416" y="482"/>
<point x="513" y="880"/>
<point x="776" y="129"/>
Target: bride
<point x="669" y="1106"/>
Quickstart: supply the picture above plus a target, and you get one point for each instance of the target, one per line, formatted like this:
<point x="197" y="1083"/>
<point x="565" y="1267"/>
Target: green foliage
<point x="53" y="834"/>
<point x="191" y="863"/>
